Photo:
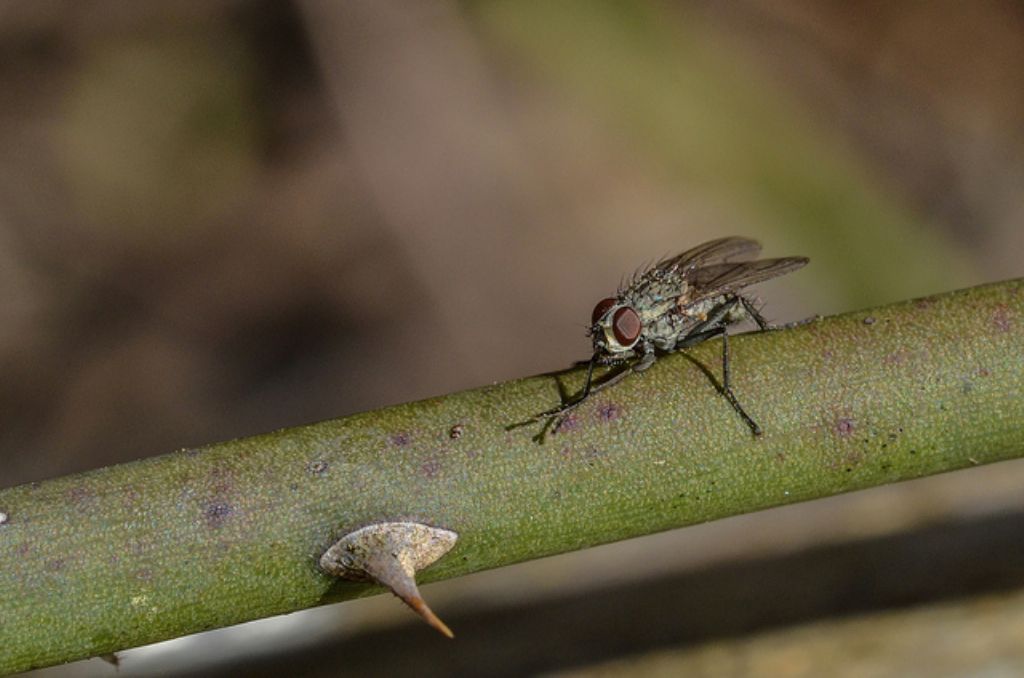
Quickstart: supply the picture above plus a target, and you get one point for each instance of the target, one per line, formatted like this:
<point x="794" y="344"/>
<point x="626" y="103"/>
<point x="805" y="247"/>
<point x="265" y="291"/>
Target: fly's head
<point x="615" y="327"/>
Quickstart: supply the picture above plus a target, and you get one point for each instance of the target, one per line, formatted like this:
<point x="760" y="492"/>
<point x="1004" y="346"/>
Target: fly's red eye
<point x="626" y="326"/>
<point x="601" y="308"/>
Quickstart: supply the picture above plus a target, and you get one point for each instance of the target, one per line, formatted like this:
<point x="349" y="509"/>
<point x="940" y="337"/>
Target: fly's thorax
<point x="655" y="301"/>
<point x="666" y="330"/>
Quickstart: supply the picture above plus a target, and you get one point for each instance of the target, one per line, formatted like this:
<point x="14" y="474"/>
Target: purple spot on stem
<point x="1001" y="318"/>
<point x="55" y="565"/>
<point x="845" y="427"/>
<point x="217" y="513"/>
<point x="568" y="423"/>
<point x="609" y="412"/>
<point x="130" y="495"/>
<point x="318" y="467"/>
<point x="431" y="468"/>
<point x="896" y="358"/>
<point x="79" y="494"/>
<point x="400" y="439"/>
<point x="870" y="320"/>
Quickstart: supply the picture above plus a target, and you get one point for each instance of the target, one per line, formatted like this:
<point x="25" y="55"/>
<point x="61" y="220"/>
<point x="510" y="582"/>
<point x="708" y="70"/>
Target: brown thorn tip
<point x="422" y="609"/>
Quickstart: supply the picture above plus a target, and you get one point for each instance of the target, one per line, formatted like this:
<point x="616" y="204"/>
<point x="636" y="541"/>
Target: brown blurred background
<point x="223" y="217"/>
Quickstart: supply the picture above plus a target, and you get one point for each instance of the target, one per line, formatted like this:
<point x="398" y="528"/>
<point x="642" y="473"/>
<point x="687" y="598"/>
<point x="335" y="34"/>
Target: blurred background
<point x="219" y="218"/>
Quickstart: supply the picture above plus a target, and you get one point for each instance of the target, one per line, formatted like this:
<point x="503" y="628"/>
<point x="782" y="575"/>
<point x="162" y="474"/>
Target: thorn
<point x="422" y="609"/>
<point x="390" y="554"/>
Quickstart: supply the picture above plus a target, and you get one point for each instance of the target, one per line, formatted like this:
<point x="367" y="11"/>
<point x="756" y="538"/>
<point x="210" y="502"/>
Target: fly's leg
<point x="590" y="387"/>
<point x="573" y="403"/>
<point x="755" y="314"/>
<point x="727" y="388"/>
<point x="560" y="412"/>
<point x="597" y="386"/>
<point x="557" y="414"/>
<point x="762" y="322"/>
<point x="712" y="327"/>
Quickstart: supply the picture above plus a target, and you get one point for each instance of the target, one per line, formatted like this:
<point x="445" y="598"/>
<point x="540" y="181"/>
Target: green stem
<point x="198" y="539"/>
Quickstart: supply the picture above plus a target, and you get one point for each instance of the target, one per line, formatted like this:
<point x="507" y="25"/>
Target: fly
<point x="677" y="303"/>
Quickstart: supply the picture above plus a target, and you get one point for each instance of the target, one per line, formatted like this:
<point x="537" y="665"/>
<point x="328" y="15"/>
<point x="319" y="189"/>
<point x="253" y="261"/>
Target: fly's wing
<point x="723" y="249"/>
<point x="729" y="277"/>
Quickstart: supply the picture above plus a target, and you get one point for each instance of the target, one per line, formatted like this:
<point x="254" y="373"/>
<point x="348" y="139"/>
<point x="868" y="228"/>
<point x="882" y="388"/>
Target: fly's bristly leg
<point x="554" y="417"/>
<point x="716" y="324"/>
<point x="798" y="323"/>
<point x="590" y="389"/>
<point x="762" y="322"/>
<point x="572" y="403"/>
<point x="755" y="315"/>
<point x="727" y="387"/>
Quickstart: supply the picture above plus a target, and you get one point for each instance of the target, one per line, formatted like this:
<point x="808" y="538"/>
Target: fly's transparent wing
<point x="729" y="277"/>
<point x="723" y="249"/>
<point x="682" y="265"/>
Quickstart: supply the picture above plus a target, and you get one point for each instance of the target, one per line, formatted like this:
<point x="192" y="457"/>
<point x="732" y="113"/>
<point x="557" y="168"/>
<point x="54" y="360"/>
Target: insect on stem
<point x="677" y="303"/>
